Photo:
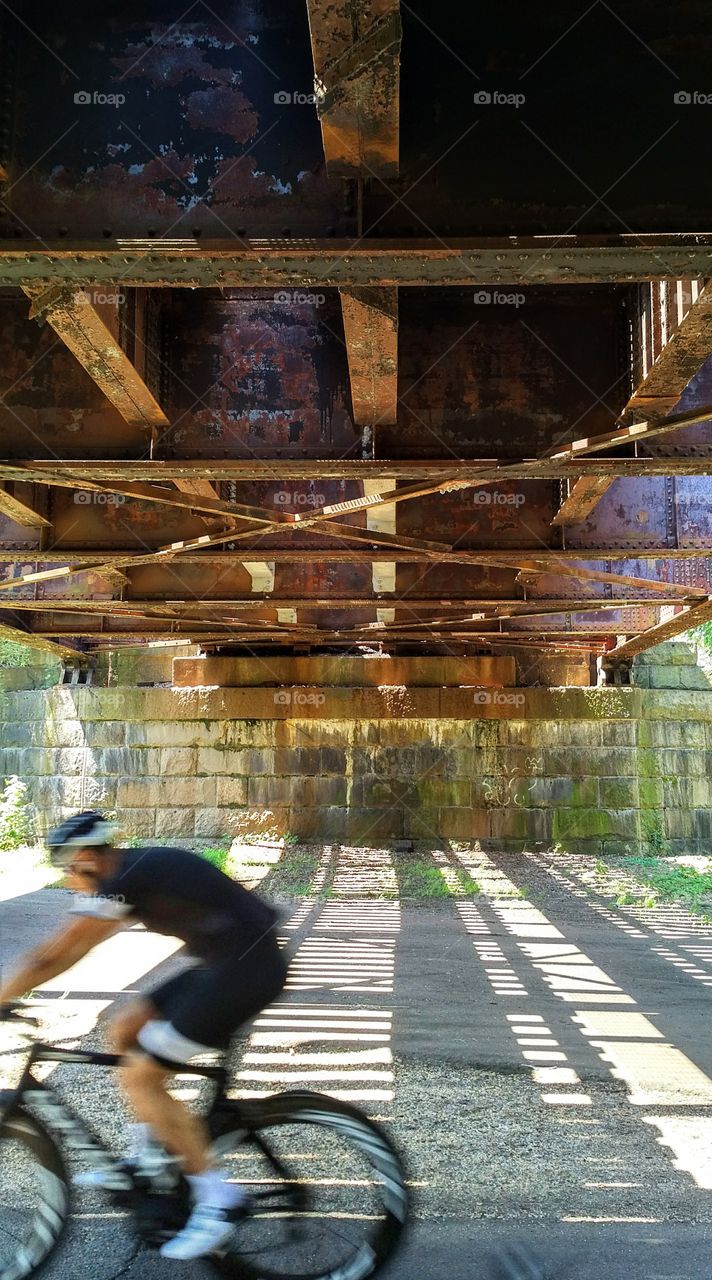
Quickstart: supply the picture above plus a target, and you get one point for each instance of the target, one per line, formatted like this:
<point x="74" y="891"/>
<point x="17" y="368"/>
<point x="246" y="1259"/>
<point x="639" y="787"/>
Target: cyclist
<point x="238" y="969"/>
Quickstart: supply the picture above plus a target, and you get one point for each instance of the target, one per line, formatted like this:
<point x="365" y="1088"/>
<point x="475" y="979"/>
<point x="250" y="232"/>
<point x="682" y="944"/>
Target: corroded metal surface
<point x="356" y="50"/>
<point x="257" y="375"/>
<point x="685" y="345"/>
<point x="371" y="332"/>
<point x="79" y="324"/>
<point x="354" y="418"/>
<point x="336" y="263"/>
<point x="212" y="131"/>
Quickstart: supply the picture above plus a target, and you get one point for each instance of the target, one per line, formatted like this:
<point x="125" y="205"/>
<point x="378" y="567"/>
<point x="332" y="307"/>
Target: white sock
<point x="210" y="1188"/>
<point x="141" y="1136"/>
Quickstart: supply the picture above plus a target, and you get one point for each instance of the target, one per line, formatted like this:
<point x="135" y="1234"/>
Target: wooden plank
<point x="356" y="52"/>
<point x="189" y="263"/>
<point x="77" y="322"/>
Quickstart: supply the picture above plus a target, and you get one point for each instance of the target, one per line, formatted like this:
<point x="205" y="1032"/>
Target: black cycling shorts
<point x="203" y="1007"/>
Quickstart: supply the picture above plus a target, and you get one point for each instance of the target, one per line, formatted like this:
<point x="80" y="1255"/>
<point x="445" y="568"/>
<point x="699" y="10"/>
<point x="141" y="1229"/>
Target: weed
<point x="218" y="857"/>
<point x="468" y="884"/>
<point x="420" y="880"/>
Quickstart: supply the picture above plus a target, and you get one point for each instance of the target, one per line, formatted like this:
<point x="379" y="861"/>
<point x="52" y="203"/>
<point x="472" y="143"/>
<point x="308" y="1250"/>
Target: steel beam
<point x="199" y="488"/>
<point x="634" y="433"/>
<point x="516" y="607"/>
<point x="75" y="319"/>
<point x="238" y="635"/>
<point x="189" y="263"/>
<point x="276" y="470"/>
<point x="511" y="557"/>
<point x="694" y="616"/>
<point x="356" y="52"/>
<point x="371" y="333"/>
<point x="582" y="497"/>
<point x="678" y="362"/>
<point x="20" y="512"/>
<point x="680" y="359"/>
<point x="37" y="641"/>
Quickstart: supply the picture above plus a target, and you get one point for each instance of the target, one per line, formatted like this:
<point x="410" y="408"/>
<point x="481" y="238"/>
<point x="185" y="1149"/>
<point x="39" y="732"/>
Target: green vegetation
<point x="15" y="825"/>
<point x="671" y="881"/>
<point x="16" y="655"/>
<point x="219" y="857"/>
<point x="419" y="880"/>
<point x="293" y="875"/>
<point x="468" y="884"/>
<point x="701" y="636"/>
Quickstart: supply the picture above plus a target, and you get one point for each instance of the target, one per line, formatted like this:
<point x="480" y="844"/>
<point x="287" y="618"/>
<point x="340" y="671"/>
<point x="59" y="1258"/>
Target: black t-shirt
<point x="178" y="893"/>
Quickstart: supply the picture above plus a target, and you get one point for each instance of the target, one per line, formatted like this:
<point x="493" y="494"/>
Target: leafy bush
<point x="14" y="814"/>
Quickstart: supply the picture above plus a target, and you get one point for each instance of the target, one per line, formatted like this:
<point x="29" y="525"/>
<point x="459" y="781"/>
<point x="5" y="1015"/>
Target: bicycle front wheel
<point x="34" y="1195"/>
<point x="329" y="1199"/>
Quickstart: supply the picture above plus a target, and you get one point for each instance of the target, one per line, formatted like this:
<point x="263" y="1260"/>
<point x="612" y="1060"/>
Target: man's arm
<point x="68" y="946"/>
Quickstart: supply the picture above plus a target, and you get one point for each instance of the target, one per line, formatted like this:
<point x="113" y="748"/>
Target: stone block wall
<point x="604" y="770"/>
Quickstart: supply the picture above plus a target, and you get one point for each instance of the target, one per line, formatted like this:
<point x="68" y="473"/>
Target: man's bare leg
<point x="182" y="1133"/>
<point x="124" y="1027"/>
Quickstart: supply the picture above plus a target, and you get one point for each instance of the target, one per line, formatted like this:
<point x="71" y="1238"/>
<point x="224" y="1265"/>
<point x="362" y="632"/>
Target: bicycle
<point x="326" y="1186"/>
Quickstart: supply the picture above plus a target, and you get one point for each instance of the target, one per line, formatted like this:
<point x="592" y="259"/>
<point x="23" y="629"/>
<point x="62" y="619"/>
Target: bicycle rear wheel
<point x="327" y="1186"/>
<point x="34" y="1195"/>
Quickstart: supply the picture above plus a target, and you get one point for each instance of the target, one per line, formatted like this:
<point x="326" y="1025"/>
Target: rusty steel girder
<point x="356" y="51"/>
<point x="189" y="263"/>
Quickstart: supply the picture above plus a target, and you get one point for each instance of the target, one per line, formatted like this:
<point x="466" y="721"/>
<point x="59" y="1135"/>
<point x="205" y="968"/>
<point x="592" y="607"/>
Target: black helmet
<point x="81" y="831"/>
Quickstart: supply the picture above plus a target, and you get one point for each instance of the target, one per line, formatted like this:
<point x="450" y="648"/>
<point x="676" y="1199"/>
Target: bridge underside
<point x="320" y="335"/>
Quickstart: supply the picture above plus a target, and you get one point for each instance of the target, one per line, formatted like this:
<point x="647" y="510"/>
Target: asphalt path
<point x="543" y="1058"/>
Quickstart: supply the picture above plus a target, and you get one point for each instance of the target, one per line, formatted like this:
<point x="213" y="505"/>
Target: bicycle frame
<point x="75" y="1134"/>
